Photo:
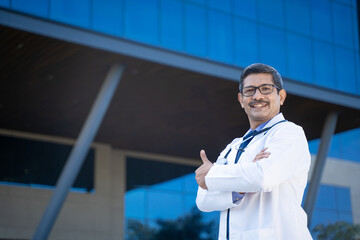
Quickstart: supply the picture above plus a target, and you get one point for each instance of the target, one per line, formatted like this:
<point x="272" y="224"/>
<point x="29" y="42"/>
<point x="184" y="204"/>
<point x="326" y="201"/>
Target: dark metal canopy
<point x="48" y="87"/>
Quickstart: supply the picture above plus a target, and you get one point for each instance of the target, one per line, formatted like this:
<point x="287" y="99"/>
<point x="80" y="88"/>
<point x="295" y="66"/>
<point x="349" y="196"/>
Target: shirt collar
<point x="278" y="117"/>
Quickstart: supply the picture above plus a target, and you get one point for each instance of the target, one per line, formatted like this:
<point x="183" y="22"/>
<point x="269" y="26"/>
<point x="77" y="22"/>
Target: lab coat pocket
<point x="263" y="233"/>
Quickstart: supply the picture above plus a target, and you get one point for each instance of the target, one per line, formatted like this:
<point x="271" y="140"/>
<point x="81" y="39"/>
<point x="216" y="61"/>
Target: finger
<point x="203" y="156"/>
<point x="263" y="150"/>
<point x="261" y="156"/>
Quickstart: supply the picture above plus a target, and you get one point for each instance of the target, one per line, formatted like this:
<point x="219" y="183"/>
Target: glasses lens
<point x="266" y="89"/>
<point x="249" y="91"/>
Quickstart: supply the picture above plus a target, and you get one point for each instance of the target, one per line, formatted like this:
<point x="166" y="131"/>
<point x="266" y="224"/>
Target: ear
<point x="282" y="94"/>
<point x="240" y="98"/>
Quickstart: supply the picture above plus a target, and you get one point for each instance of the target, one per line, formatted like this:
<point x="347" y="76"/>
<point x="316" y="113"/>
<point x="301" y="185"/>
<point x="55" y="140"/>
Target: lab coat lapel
<point x="273" y="121"/>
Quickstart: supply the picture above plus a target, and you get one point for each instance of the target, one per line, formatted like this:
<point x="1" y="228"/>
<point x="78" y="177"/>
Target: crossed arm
<point x="202" y="171"/>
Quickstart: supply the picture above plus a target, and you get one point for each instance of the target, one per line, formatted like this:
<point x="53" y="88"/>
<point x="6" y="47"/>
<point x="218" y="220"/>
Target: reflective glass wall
<point x="160" y="203"/>
<point x="311" y="41"/>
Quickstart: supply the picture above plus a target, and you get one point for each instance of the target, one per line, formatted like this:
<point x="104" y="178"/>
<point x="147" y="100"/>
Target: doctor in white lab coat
<point x="259" y="194"/>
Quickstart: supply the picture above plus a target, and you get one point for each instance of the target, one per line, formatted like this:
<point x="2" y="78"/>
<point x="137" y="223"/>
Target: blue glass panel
<point x="224" y="5"/>
<point x="343" y="29"/>
<point x="141" y="20"/>
<point x="324" y="61"/>
<point x="271" y="12"/>
<point x="314" y="146"/>
<point x="298" y="16"/>
<point x="355" y="29"/>
<point x="189" y="202"/>
<point x="190" y="183"/>
<point x="321" y="19"/>
<point x="357" y="68"/>
<point x="220" y="36"/>
<point x="195" y="35"/>
<point x="246" y="43"/>
<point x="350" y="144"/>
<point x="135" y="203"/>
<point x="344" y="145"/>
<point x="343" y="199"/>
<point x="345" y="70"/>
<point x="347" y="2"/>
<point x="160" y="205"/>
<point x="335" y="147"/>
<point x="34" y="7"/>
<point x="323" y="216"/>
<point x="71" y="12"/>
<point x="107" y="16"/>
<point x="172" y="24"/>
<point x="203" y="2"/>
<point x="299" y="58"/>
<point x="345" y="216"/>
<point x="176" y="184"/>
<point x="272" y="48"/>
<point x="4" y="3"/>
<point x="245" y="8"/>
<point x="326" y="198"/>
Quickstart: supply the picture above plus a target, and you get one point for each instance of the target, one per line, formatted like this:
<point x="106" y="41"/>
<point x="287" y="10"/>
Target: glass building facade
<point x="311" y="41"/>
<point x="315" y="42"/>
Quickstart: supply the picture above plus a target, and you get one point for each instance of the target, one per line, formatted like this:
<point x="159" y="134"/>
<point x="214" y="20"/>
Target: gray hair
<point x="261" y="68"/>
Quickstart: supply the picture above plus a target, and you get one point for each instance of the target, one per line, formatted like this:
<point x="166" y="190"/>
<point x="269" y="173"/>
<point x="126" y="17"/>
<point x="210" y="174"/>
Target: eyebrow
<point x="259" y="85"/>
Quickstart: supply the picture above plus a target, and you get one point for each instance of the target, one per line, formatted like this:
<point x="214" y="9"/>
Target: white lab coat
<point x="274" y="186"/>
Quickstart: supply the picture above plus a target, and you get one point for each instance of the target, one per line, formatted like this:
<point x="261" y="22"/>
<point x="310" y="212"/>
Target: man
<point x="258" y="181"/>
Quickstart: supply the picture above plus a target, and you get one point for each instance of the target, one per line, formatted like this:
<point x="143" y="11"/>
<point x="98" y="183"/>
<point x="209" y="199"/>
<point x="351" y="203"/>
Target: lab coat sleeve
<point x="208" y="201"/>
<point x="289" y="155"/>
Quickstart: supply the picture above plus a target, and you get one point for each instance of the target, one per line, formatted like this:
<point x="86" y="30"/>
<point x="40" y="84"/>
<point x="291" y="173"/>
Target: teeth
<point x="258" y="105"/>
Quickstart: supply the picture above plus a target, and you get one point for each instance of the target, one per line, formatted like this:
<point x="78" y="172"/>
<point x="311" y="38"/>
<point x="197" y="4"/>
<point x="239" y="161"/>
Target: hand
<point x="262" y="154"/>
<point x="201" y="172"/>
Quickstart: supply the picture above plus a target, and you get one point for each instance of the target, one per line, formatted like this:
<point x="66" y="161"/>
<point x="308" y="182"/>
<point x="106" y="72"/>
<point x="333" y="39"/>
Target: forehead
<point x="257" y="79"/>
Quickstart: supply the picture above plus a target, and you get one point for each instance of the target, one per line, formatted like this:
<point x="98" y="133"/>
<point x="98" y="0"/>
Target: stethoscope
<point x="224" y="159"/>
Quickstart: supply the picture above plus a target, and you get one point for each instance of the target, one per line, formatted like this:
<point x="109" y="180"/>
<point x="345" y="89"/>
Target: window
<point x="105" y="12"/>
<point x="299" y="57"/>
<point x="71" y="12"/>
<point x="34" y="163"/>
<point x="195" y="30"/>
<point x="220" y="36"/>
<point x="141" y="20"/>
<point x="172" y="24"/>
<point x="333" y="204"/>
<point x="160" y="202"/>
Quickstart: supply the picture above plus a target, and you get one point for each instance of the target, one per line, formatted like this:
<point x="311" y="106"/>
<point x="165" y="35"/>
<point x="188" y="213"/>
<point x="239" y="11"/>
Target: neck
<point x="255" y="124"/>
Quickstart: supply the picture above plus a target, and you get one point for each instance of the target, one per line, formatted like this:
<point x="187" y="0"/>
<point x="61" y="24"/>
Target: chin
<point x="259" y="117"/>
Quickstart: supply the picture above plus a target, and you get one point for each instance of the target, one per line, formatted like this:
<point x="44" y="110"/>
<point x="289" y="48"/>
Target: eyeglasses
<point x="264" y="89"/>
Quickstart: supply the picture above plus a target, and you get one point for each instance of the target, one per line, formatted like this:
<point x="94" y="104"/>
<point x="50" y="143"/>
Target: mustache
<point x="253" y="102"/>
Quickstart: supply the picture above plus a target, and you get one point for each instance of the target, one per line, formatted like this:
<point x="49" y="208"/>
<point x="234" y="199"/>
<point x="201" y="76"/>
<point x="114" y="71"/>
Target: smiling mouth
<point x="258" y="104"/>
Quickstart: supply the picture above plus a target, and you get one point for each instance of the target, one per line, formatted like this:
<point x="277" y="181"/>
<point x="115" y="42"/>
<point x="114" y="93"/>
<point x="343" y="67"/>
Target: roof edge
<point x="143" y="51"/>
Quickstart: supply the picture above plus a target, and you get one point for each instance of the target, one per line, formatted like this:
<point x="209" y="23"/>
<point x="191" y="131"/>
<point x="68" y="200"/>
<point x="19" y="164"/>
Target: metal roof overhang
<point x="167" y="102"/>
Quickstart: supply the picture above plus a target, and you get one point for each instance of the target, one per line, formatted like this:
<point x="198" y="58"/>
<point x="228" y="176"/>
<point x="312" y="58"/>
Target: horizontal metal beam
<point x="159" y="55"/>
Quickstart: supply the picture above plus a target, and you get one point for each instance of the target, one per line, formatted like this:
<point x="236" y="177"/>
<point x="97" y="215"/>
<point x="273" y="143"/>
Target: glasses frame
<point x="258" y="88"/>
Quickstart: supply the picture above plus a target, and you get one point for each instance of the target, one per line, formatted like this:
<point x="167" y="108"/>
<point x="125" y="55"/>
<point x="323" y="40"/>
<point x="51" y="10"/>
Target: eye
<point x="265" y="88"/>
<point x="248" y="91"/>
